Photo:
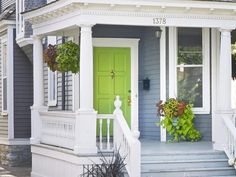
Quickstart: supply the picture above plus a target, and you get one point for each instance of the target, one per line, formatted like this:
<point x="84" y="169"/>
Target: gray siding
<point x="149" y="66"/>
<point x="6" y="3"/>
<point x="23" y="93"/>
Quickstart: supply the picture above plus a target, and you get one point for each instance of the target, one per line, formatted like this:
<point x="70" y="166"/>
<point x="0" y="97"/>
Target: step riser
<point x="188" y="174"/>
<point x="166" y="166"/>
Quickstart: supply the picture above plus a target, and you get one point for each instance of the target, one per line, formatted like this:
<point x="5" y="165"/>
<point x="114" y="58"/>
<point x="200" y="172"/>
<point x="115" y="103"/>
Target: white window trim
<point x="206" y="68"/>
<point x="52" y="102"/>
<point x="3" y="42"/>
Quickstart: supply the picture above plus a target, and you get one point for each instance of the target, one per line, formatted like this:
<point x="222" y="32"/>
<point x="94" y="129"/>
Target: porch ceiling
<point x="66" y="13"/>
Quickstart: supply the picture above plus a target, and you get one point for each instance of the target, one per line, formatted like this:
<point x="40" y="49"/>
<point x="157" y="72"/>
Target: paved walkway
<point x="14" y="171"/>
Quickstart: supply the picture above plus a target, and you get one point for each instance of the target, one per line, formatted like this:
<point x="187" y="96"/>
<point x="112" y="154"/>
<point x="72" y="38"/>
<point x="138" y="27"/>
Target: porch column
<point x="85" y="138"/>
<point x="223" y="89"/>
<point x="38" y="90"/>
<point x="224" y="80"/>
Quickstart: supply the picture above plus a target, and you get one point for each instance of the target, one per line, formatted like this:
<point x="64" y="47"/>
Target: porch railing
<point x="58" y="129"/>
<point x="129" y="146"/>
<point x="105" y="131"/>
<point x="230" y="146"/>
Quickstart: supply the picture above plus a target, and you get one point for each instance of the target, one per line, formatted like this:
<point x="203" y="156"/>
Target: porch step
<point x="192" y="164"/>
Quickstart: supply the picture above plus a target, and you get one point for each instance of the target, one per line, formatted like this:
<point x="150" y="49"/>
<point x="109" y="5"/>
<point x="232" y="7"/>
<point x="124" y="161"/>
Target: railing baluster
<point x="108" y="134"/>
<point x="100" y="133"/>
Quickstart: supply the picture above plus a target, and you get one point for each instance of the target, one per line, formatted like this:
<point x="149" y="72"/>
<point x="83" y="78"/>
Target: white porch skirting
<point x="48" y="161"/>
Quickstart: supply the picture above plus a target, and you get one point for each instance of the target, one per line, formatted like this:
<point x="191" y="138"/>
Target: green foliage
<point x="178" y="120"/>
<point x="68" y="58"/>
<point x="190" y="55"/>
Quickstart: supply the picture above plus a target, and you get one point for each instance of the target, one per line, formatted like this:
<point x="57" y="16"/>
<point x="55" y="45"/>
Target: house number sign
<point x="159" y="21"/>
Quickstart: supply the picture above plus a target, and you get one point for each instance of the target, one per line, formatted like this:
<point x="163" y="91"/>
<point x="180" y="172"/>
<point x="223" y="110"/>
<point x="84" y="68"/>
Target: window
<point x="4" y="75"/>
<point x="52" y="79"/>
<point x="191" y="65"/>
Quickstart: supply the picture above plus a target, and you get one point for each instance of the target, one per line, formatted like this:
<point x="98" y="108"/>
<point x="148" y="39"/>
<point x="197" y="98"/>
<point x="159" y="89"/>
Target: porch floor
<point x="157" y="147"/>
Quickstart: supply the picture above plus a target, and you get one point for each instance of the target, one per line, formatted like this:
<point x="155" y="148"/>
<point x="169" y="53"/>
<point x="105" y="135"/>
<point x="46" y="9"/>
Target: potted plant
<point x="178" y="120"/>
<point x="49" y="55"/>
<point x="68" y="57"/>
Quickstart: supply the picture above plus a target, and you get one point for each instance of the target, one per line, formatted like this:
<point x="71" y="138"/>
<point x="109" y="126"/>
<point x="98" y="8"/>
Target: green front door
<point x="112" y="78"/>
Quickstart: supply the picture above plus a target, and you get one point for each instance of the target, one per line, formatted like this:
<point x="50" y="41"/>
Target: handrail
<point x="127" y="143"/>
<point x="230" y="126"/>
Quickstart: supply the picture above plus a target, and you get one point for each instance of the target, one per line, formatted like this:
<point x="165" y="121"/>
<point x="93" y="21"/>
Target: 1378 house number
<point x="159" y="21"/>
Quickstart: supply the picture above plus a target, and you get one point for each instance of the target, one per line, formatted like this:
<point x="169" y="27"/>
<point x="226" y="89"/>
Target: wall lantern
<point x="146" y="84"/>
<point x="158" y="33"/>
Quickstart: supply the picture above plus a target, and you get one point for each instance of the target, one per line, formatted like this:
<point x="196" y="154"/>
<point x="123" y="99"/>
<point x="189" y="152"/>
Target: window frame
<point x="173" y="64"/>
<point x="52" y="40"/>
<point x="52" y="102"/>
<point x="4" y="65"/>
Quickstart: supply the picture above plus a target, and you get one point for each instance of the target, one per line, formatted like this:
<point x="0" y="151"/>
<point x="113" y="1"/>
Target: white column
<point x="38" y="90"/>
<point x="85" y="133"/>
<point x="224" y="80"/>
<point x="86" y="68"/>
<point x="223" y="100"/>
<point x="163" y="76"/>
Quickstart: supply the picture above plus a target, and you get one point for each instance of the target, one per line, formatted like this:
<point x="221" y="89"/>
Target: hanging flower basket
<point x="63" y="57"/>
<point x="68" y="57"/>
<point x="49" y="55"/>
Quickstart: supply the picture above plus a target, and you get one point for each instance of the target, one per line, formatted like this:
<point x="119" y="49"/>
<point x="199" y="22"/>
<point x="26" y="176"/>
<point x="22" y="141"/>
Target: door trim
<point x="133" y="45"/>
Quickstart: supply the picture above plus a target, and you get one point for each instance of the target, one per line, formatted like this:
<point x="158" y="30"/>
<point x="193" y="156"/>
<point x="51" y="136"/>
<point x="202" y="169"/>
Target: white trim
<point x="172" y="61"/>
<point x="206" y="68"/>
<point x="10" y="81"/>
<point x="4" y="42"/>
<point x="50" y="82"/>
<point x="75" y="91"/>
<point x="163" y="76"/>
<point x="17" y="141"/>
<point x="133" y="45"/>
<point x="52" y="40"/>
<point x="215" y="53"/>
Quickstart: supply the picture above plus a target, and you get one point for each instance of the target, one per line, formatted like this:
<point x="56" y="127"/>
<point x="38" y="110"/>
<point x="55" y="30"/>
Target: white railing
<point x="105" y="131"/>
<point x="124" y="140"/>
<point x="230" y="146"/>
<point x="58" y="129"/>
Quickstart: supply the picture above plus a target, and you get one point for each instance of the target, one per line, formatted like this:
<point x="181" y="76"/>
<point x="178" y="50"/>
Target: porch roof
<point x="63" y="14"/>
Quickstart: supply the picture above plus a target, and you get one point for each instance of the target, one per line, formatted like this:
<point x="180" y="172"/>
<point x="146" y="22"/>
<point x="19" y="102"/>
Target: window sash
<point x="4" y="75"/>
<point x="173" y="66"/>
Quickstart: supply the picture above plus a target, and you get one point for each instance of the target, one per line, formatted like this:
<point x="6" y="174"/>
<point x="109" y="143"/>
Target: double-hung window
<point x="191" y="65"/>
<point x="4" y="74"/>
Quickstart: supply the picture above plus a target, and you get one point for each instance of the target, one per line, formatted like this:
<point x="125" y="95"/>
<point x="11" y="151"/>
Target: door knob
<point x="112" y="74"/>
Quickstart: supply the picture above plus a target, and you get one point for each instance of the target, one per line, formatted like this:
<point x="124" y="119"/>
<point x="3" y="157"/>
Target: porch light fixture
<point x="158" y="33"/>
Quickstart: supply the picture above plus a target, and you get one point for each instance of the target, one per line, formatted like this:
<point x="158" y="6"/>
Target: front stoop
<point x="186" y="164"/>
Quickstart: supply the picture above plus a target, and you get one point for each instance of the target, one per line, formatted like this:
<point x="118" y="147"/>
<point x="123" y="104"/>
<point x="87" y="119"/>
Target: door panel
<point x="111" y="78"/>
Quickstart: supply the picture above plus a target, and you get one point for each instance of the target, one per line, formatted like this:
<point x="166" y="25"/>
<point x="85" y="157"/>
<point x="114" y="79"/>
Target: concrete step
<point x="186" y="164"/>
<point x="183" y="164"/>
<point x="183" y="156"/>
<point x="190" y="172"/>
